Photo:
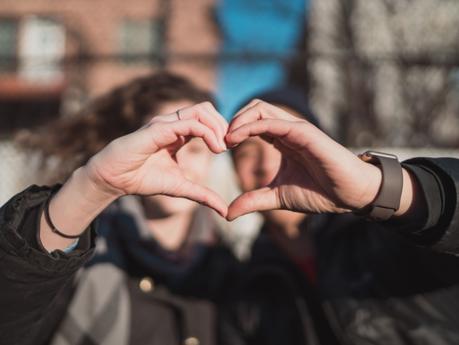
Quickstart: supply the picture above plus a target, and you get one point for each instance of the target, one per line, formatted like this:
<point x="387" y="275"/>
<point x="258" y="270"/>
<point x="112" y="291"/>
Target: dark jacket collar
<point x="125" y="240"/>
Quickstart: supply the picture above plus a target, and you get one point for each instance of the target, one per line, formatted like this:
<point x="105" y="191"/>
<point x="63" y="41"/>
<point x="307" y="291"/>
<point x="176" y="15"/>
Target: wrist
<point x="387" y="200"/>
<point x="373" y="175"/>
<point x="72" y="209"/>
<point x="407" y="199"/>
<point x="99" y="184"/>
<point x="92" y="191"/>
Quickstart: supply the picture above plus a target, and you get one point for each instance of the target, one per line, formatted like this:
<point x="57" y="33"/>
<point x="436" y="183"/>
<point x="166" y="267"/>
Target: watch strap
<point x="387" y="202"/>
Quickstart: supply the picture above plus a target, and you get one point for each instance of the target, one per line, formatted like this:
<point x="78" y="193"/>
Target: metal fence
<point x="386" y="72"/>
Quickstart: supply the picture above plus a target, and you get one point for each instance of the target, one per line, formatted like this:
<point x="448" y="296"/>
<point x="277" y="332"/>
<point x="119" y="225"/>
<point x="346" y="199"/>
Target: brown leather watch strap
<point x="388" y="199"/>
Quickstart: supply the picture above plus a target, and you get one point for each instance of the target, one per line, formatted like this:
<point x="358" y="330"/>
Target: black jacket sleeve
<point x="33" y="281"/>
<point x="438" y="179"/>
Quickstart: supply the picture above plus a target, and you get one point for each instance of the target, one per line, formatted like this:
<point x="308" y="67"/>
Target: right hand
<point x="143" y="162"/>
<point x="316" y="175"/>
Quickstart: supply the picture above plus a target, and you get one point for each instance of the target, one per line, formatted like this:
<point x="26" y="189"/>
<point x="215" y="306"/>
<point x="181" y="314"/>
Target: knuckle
<point x="156" y="125"/>
<point x="116" y="144"/>
<point x="303" y="125"/>
<point x="207" y="104"/>
<point x="204" y="106"/>
<point x="200" y="109"/>
<point x="261" y="106"/>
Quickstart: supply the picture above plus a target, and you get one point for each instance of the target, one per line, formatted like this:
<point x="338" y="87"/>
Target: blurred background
<point x="379" y="73"/>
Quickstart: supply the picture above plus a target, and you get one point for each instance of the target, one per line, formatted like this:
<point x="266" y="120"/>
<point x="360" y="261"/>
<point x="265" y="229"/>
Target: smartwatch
<point x="390" y="192"/>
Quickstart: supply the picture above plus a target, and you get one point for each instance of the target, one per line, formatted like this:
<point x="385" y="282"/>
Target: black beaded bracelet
<point x="51" y="225"/>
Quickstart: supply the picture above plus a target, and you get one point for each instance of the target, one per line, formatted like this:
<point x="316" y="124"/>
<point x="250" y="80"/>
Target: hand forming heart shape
<point x="316" y="175"/>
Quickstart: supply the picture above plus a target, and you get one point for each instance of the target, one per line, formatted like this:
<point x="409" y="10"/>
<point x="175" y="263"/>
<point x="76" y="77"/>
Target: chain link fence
<point x="386" y="72"/>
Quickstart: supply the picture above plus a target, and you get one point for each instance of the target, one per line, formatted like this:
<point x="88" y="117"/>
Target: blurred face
<point x="257" y="163"/>
<point x="194" y="158"/>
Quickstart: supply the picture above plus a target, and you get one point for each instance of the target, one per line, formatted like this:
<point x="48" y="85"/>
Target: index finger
<point x="203" y="195"/>
<point x="259" y="110"/>
<point x="203" y="112"/>
<point x="288" y="131"/>
<point x="207" y="114"/>
<point x="162" y="134"/>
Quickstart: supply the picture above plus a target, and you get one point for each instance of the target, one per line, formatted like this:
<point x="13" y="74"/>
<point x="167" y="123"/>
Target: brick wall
<point x="96" y="24"/>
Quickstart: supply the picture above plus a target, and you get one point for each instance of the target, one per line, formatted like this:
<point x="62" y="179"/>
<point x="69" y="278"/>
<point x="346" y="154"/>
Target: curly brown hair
<point x="73" y="140"/>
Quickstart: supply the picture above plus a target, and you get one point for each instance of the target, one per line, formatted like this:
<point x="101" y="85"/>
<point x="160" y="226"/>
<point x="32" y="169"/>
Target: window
<point x="32" y="47"/>
<point x="41" y="47"/>
<point x="8" y="44"/>
<point x="139" y="40"/>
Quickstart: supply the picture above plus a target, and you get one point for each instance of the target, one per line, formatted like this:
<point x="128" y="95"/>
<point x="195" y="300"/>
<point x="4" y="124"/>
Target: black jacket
<point x="376" y="283"/>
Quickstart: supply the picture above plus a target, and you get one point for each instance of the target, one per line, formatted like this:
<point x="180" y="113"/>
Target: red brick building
<point x="54" y="54"/>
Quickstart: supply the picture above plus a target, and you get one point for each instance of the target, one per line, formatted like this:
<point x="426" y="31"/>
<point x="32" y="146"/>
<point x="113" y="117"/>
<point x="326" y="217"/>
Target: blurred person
<point x="159" y="264"/>
<point x="277" y="290"/>
<point x="336" y="279"/>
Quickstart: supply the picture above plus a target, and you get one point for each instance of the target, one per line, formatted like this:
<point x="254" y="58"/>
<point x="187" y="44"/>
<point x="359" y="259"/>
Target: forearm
<point x="73" y="208"/>
<point x="428" y="215"/>
<point x="437" y="179"/>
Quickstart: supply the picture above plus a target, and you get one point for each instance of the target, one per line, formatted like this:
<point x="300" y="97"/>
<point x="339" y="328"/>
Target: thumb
<point x="262" y="199"/>
<point x="202" y="195"/>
